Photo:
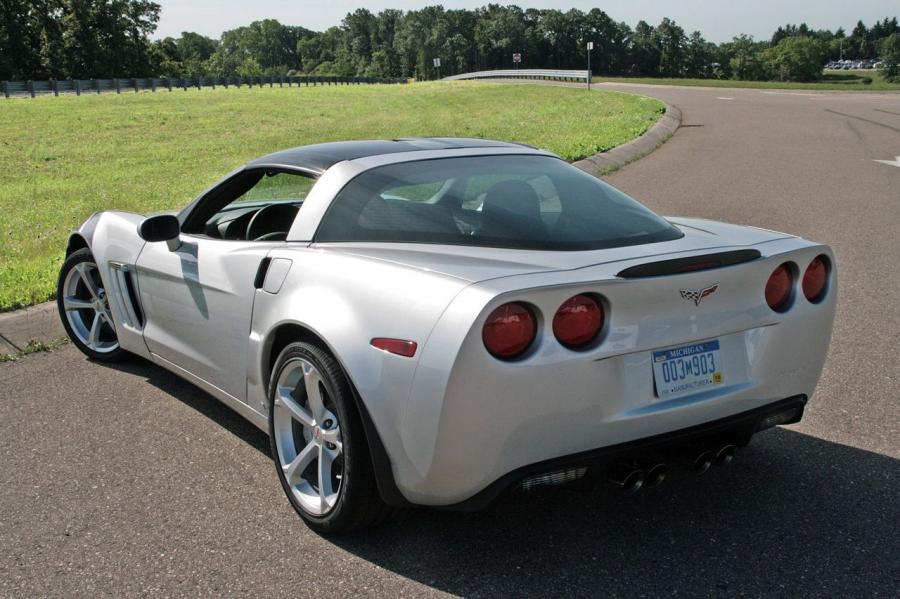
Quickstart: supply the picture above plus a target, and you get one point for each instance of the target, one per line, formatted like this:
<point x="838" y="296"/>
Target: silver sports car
<point x="433" y="321"/>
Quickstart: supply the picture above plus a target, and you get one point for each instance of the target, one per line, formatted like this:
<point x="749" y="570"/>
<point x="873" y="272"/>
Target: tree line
<point x="111" y="38"/>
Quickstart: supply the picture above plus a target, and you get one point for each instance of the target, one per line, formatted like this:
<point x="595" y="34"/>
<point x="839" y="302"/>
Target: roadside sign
<point x="517" y="57"/>
<point x="590" y="45"/>
<point x="437" y="62"/>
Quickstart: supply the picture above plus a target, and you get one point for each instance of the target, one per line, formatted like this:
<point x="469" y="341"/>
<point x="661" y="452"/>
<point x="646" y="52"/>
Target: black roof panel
<point x="319" y="157"/>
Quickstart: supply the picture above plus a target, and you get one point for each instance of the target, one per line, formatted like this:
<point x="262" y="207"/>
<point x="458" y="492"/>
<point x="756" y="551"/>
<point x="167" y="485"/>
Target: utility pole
<point x="590" y="46"/>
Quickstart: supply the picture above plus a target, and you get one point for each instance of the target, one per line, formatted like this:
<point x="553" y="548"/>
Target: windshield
<point x="509" y="201"/>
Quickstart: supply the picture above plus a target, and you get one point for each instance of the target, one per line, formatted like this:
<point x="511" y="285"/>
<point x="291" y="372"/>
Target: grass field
<point x="63" y="158"/>
<point x="831" y="81"/>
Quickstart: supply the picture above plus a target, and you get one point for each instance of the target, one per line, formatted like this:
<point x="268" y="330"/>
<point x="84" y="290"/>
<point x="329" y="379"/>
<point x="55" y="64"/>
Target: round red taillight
<point x="778" y="288"/>
<point x="578" y="321"/>
<point x="815" y="279"/>
<point x="509" y="330"/>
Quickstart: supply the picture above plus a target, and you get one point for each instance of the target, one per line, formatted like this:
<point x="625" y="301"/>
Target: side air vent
<point x="123" y="279"/>
<point x="691" y="264"/>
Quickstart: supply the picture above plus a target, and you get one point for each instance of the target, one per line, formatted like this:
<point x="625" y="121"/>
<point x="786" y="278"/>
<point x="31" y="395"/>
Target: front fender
<point x="112" y="237"/>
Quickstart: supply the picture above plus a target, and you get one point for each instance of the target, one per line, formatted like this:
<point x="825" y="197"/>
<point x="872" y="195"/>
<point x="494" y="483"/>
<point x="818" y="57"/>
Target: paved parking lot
<point x="124" y="481"/>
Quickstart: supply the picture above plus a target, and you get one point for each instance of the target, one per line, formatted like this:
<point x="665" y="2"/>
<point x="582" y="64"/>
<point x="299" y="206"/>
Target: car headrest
<point x="511" y="209"/>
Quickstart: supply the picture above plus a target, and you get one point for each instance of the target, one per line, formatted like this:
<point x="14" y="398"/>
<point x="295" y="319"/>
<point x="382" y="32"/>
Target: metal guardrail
<point x="524" y="74"/>
<point x="80" y="86"/>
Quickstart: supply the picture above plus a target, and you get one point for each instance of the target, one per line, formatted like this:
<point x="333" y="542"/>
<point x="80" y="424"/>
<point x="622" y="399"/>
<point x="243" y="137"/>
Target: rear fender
<point x="346" y="301"/>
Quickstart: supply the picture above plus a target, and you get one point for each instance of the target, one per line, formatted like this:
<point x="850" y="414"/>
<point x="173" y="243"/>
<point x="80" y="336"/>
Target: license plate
<point x="687" y="369"/>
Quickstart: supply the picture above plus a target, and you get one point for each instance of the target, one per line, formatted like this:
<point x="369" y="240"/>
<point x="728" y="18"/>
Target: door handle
<point x="261" y="273"/>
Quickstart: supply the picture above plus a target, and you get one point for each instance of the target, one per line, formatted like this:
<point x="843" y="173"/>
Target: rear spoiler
<point x="691" y="264"/>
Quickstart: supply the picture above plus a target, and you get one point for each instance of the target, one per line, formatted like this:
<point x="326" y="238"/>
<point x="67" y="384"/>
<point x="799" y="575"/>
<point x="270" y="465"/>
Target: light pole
<point x="590" y="46"/>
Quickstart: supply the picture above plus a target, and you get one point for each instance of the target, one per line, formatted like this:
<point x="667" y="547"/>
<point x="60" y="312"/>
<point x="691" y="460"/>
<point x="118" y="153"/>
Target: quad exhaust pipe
<point x="626" y="476"/>
<point x="633" y="475"/>
<point x="656" y="475"/>
<point x="725" y="454"/>
<point x="700" y="460"/>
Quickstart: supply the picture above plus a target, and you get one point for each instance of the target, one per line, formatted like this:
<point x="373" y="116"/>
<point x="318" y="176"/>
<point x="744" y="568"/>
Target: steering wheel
<point x="271" y="221"/>
<point x="273" y="236"/>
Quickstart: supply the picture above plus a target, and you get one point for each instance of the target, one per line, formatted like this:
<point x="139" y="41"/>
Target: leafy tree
<point x="794" y="59"/>
<point x="193" y="46"/>
<point x="610" y="39"/>
<point x="644" y="52"/>
<point x="669" y="39"/>
<point x="500" y="32"/>
<point x="889" y="54"/>
<point x="859" y="44"/>
<point x="269" y="44"/>
<point x="23" y="24"/>
<point x="744" y="61"/>
<point x="110" y="38"/>
<point x="699" y="56"/>
<point x="165" y="59"/>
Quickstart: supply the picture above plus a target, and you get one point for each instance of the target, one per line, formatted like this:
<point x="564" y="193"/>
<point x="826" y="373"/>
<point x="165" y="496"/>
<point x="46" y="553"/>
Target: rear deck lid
<point x="475" y="264"/>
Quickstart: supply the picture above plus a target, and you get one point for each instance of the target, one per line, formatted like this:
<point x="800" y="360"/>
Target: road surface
<point x="124" y="480"/>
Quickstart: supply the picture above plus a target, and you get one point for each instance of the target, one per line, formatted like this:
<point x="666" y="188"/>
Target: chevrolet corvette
<point x="434" y="321"/>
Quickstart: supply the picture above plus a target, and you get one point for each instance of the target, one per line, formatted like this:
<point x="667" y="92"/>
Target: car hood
<point x="475" y="264"/>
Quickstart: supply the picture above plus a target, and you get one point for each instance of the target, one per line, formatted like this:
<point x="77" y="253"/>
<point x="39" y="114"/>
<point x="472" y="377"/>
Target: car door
<point x="198" y="298"/>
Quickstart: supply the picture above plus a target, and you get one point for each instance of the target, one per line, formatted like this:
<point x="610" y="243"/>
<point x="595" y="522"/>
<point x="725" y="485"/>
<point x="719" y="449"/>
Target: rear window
<point x="509" y="201"/>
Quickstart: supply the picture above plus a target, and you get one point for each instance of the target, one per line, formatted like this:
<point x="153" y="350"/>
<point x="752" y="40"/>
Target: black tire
<point x="359" y="504"/>
<point x="108" y="332"/>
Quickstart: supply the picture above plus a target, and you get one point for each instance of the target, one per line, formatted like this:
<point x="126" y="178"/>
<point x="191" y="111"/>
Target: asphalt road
<point x="125" y="480"/>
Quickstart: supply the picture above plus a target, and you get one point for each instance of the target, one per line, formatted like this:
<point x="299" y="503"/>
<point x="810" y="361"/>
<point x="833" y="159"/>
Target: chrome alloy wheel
<point x="87" y="308"/>
<point x="308" y="437"/>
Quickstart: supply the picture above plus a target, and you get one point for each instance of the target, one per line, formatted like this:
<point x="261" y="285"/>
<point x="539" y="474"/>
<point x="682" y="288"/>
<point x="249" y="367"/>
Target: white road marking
<point x="794" y="94"/>
<point x="723" y="98"/>
<point x="891" y="162"/>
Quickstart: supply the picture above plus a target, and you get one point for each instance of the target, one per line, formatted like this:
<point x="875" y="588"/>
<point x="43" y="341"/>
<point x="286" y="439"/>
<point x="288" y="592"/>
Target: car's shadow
<point x="196" y="398"/>
<point x="792" y="515"/>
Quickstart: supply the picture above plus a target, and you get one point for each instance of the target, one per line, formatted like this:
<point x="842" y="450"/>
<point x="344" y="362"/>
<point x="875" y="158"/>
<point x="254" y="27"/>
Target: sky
<point x="717" y="20"/>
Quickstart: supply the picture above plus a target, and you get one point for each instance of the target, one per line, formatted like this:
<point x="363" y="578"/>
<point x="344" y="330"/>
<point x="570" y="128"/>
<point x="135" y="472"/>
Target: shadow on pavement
<point x="194" y="397"/>
<point x="793" y="514"/>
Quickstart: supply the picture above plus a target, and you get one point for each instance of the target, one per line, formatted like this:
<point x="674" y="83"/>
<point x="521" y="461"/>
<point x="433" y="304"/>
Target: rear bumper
<point x="737" y="429"/>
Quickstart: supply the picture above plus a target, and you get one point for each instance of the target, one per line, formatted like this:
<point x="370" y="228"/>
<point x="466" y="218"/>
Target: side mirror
<point x="163" y="227"/>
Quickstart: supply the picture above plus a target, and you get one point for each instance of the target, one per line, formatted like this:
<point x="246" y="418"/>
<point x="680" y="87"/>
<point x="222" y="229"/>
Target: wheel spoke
<point x="298" y="412"/>
<point x="70" y="302"/>
<point x="84" y="271"/>
<point x="293" y="470"/>
<point x="312" y="379"/>
<point x="94" y="336"/>
<point x="326" y="460"/>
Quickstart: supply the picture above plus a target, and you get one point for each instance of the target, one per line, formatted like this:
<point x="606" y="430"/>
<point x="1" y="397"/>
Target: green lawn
<point x="831" y="80"/>
<point x="63" y="158"/>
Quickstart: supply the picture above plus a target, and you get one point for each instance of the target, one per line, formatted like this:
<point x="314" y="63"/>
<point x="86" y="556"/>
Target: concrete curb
<point x="607" y="162"/>
<point x="34" y="323"/>
<point x="41" y="322"/>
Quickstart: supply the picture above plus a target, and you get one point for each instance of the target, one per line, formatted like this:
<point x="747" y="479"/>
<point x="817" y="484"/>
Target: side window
<point x="277" y="187"/>
<point x="253" y="206"/>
